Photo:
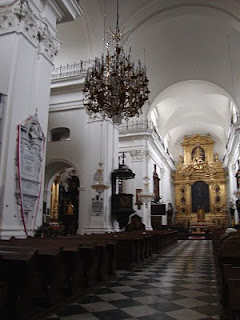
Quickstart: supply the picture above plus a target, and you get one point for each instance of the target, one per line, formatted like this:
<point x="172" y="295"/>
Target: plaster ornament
<point x="20" y="18"/>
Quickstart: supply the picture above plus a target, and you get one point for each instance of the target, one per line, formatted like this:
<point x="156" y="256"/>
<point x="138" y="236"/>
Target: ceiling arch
<point x="183" y="40"/>
<point x="191" y="107"/>
<point x="155" y="8"/>
<point x="54" y="167"/>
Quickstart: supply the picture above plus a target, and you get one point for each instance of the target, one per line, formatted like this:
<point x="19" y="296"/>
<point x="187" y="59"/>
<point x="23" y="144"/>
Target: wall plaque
<point x="97" y="207"/>
<point x="30" y="149"/>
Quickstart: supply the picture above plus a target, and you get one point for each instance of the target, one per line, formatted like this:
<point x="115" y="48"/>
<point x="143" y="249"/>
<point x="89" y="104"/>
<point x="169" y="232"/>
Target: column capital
<point x="21" y="18"/>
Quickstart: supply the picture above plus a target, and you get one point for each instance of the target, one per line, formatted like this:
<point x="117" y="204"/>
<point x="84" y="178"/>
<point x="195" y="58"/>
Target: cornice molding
<point x="70" y="9"/>
<point x="73" y="8"/>
<point x="21" y="19"/>
<point x="56" y="9"/>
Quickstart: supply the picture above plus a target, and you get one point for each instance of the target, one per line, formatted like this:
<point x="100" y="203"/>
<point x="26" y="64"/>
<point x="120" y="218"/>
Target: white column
<point x="106" y="151"/>
<point x="28" y="45"/>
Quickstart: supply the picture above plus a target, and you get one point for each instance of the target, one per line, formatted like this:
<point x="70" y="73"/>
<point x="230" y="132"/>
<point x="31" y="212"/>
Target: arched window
<point x="60" y="134"/>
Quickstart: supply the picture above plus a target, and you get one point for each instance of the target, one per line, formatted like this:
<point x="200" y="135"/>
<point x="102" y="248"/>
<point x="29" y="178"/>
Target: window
<point x="60" y="134"/>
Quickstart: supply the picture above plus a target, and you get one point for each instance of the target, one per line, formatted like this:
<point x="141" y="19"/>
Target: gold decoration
<point x="200" y="165"/>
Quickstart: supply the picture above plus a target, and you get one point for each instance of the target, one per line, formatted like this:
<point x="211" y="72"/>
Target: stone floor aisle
<point x="180" y="284"/>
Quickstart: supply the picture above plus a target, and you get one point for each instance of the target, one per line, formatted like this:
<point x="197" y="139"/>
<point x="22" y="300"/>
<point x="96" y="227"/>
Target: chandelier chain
<point x="117" y="14"/>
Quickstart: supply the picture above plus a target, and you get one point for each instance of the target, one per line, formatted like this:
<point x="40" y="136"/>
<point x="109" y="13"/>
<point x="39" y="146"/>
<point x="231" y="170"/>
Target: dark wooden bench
<point x="227" y="259"/>
<point x="17" y="271"/>
<point x="232" y="291"/>
<point x="52" y="268"/>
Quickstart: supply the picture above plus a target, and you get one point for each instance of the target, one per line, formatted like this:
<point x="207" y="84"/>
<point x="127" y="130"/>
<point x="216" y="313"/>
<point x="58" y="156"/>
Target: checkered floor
<point x="180" y="284"/>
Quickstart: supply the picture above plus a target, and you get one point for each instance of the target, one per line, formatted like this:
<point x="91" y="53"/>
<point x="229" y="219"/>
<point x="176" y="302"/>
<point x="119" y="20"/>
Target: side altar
<point x="200" y="185"/>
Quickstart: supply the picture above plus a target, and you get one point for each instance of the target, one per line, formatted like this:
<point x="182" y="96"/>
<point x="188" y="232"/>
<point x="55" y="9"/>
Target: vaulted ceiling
<point x="192" y="51"/>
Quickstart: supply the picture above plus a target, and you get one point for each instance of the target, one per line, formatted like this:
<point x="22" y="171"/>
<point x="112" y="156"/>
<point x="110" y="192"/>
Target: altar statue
<point x="55" y="211"/>
<point x="169" y="214"/>
<point x="70" y="209"/>
<point x="200" y="215"/>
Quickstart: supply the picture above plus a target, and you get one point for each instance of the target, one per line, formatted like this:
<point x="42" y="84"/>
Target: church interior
<point x="119" y="159"/>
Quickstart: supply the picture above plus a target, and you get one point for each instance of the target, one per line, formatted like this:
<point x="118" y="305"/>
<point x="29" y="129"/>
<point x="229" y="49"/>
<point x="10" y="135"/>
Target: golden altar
<point x="200" y="185"/>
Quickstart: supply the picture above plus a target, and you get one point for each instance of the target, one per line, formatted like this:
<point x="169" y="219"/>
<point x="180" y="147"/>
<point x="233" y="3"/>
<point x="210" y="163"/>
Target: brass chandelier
<point x="114" y="86"/>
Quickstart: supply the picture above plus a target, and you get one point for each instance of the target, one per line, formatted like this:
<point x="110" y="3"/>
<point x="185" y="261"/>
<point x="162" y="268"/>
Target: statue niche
<point x="198" y="155"/>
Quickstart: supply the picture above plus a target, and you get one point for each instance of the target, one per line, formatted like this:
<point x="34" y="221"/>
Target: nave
<point x="178" y="284"/>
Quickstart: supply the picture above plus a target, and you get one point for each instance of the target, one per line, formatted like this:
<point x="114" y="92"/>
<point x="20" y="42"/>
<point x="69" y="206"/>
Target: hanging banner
<point x="30" y="151"/>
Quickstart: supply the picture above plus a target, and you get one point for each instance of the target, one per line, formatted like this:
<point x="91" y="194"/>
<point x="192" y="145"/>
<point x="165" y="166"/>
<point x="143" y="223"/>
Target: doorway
<point x="63" y="203"/>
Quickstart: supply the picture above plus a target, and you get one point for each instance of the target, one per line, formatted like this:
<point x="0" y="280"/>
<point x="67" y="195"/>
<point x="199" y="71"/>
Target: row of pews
<point x="38" y="275"/>
<point x="226" y="248"/>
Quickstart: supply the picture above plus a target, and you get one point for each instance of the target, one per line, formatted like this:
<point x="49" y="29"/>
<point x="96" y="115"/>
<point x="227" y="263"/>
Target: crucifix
<point x="123" y="157"/>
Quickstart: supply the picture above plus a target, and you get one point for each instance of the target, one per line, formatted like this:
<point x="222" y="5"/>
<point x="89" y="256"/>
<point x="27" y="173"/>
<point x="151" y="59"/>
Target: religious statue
<point x="70" y="209"/>
<point x="169" y="214"/>
<point x="216" y="157"/>
<point x="181" y="159"/>
<point x="69" y="220"/>
<point x="231" y="207"/>
<point x="156" y="184"/>
<point x="34" y="132"/>
<point x="200" y="215"/>
<point x="55" y="211"/>
<point x="198" y="155"/>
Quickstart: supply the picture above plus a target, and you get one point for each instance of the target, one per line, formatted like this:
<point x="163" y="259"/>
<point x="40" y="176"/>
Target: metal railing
<point x="71" y="70"/>
<point x="136" y="125"/>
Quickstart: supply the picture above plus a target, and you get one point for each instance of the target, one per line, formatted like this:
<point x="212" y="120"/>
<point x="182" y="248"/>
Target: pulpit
<point x="122" y="203"/>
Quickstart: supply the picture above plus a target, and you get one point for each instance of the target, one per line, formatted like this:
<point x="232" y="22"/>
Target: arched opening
<point x="61" y="198"/>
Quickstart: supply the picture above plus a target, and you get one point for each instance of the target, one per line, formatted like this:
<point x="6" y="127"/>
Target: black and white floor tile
<point x="177" y="285"/>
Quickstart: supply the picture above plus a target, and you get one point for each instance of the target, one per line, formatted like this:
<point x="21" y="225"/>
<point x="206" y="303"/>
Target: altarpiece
<point x="200" y="184"/>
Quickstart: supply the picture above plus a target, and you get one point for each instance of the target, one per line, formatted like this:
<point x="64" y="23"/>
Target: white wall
<point x="142" y="152"/>
<point x="83" y="151"/>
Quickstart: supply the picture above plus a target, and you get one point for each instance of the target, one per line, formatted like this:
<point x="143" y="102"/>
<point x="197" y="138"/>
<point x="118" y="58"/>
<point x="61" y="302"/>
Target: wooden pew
<point x="97" y="254"/>
<point x="4" y="292"/>
<point x="17" y="267"/>
<point x="48" y="268"/>
<point x="70" y="265"/>
<point x="227" y="253"/>
<point x="232" y="291"/>
<point x="83" y="255"/>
